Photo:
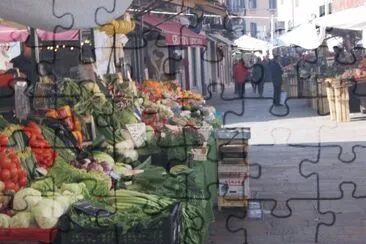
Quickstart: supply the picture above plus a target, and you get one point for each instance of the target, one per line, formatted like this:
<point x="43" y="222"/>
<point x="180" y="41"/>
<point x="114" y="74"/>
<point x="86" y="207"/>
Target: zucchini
<point x="66" y="153"/>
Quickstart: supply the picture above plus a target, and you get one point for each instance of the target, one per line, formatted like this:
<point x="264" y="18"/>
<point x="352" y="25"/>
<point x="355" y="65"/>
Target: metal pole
<point x="272" y="28"/>
<point x="293" y="13"/>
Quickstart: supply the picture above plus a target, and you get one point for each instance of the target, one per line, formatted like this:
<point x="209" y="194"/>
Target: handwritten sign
<point x="138" y="133"/>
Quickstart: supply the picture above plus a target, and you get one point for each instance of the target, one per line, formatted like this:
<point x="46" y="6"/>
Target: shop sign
<point x="177" y="40"/>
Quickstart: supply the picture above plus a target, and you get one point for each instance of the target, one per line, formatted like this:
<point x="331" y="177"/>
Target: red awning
<point x="8" y="34"/>
<point x="175" y="33"/>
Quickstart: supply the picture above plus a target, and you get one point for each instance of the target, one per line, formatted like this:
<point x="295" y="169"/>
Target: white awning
<point x="305" y="36"/>
<point x="222" y="39"/>
<point x="248" y="43"/>
<point x="350" y="19"/>
<point x="61" y="15"/>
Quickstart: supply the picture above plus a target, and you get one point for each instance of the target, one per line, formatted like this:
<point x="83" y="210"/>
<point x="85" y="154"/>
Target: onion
<point x="73" y="162"/>
<point x="85" y="165"/>
<point x="85" y="161"/>
<point x="99" y="168"/>
<point x="92" y="166"/>
<point x="77" y="165"/>
<point x="106" y="166"/>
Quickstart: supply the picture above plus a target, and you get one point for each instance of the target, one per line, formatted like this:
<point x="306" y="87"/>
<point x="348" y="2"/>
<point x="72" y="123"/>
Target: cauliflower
<point x="22" y="220"/>
<point x="4" y="221"/>
<point x="25" y="199"/>
<point x="47" y="212"/>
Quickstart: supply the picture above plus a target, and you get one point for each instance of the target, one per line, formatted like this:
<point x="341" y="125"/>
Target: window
<point x="321" y="11"/>
<point x="253" y="29"/>
<point x="272" y="4"/>
<point x="252" y="3"/>
<point x="330" y="8"/>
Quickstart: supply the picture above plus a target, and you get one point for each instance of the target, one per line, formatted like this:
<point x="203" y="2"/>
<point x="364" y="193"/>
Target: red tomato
<point x="34" y="127"/>
<point x="28" y="133"/>
<point x="14" y="172"/>
<point x="22" y="173"/>
<point x="2" y="156"/>
<point x="23" y="181"/>
<point x="10" y="185"/>
<point x="5" y="174"/>
<point x="4" y="142"/>
<point x="6" y="163"/>
<point x="17" y="187"/>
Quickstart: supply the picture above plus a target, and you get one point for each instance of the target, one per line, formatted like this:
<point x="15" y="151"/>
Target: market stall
<point x="90" y="155"/>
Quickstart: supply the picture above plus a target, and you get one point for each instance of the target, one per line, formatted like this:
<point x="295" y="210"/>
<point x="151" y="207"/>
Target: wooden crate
<point x="338" y="98"/>
<point x="231" y="203"/>
<point x="293" y="91"/>
<point x="342" y="104"/>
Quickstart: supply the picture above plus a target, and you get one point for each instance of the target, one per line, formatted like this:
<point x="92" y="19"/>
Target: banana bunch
<point x="118" y="27"/>
<point x="10" y="129"/>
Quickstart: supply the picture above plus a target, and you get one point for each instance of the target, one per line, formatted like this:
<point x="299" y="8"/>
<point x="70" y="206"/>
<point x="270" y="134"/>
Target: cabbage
<point x="125" y="146"/>
<point x="22" y="220"/>
<point x="4" y="221"/>
<point x="66" y="199"/>
<point x="47" y="212"/>
<point x="26" y="198"/>
<point x="101" y="156"/>
<point x="75" y="188"/>
<point x="98" y="184"/>
<point x="131" y="155"/>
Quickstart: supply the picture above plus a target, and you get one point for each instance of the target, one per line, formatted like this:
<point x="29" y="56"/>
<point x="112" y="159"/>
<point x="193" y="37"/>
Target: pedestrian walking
<point x="258" y="76"/>
<point x="240" y="73"/>
<point x="276" y="73"/>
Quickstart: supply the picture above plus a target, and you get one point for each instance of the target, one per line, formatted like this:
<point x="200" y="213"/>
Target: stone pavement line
<point x="304" y="127"/>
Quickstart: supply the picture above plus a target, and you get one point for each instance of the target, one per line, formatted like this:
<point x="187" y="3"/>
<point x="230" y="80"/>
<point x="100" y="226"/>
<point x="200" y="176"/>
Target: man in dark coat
<point x="276" y="72"/>
<point x="24" y="63"/>
<point x="258" y="76"/>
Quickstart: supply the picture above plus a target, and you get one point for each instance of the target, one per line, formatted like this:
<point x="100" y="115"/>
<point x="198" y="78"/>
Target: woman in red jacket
<point x="241" y="74"/>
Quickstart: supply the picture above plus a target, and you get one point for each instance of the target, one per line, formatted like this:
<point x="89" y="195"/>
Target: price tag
<point x="114" y="175"/>
<point x="138" y="133"/>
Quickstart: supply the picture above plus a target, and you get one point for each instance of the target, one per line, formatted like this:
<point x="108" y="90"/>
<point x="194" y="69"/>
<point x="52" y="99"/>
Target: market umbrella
<point x="248" y="43"/>
<point x="61" y="15"/>
<point x="305" y="36"/>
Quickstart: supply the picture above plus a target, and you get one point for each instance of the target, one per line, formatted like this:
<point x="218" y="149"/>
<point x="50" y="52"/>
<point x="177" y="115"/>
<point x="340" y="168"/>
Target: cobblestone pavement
<point x="279" y="145"/>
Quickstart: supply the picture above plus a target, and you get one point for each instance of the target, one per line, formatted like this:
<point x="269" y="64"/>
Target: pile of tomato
<point x="12" y="174"/>
<point x="41" y="149"/>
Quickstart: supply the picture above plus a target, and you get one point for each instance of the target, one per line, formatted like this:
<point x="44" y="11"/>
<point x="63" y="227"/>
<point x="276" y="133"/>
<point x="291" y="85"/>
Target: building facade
<point x="339" y="5"/>
<point x="292" y="13"/>
<point x="257" y="16"/>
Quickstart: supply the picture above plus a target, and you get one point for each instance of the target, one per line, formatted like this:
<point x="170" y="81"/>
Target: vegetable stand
<point x="57" y="172"/>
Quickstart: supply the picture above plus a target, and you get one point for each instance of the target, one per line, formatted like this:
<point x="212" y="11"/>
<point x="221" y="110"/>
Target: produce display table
<point x="338" y="98"/>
